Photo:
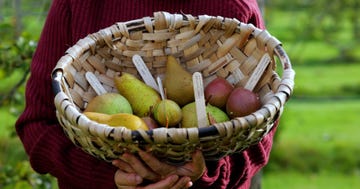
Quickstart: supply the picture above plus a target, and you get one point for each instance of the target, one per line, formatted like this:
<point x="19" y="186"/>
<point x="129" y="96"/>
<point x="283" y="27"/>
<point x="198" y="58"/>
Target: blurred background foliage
<point x="316" y="143"/>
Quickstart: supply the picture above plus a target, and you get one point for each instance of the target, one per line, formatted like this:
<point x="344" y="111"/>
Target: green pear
<point x="109" y="103"/>
<point x="167" y="113"/>
<point x="215" y="115"/>
<point x="178" y="83"/>
<point x="141" y="97"/>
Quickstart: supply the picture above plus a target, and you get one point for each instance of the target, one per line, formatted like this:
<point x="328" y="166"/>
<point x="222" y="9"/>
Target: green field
<point x="318" y="135"/>
<point x="298" y="180"/>
<point x="324" y="80"/>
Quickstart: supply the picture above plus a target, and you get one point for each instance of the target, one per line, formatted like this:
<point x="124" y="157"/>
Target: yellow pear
<point x="129" y="121"/>
<point x="141" y="97"/>
<point x="167" y="113"/>
<point x="109" y="103"/>
<point x="178" y="82"/>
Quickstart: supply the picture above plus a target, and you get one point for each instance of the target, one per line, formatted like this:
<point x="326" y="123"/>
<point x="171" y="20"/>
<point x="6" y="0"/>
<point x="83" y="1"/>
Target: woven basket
<point x="214" y="46"/>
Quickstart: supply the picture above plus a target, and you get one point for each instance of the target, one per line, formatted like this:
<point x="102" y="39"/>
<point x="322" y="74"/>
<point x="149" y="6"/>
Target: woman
<point x="50" y="151"/>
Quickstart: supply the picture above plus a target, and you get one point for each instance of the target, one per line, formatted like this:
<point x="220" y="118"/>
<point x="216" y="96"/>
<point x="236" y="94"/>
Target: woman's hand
<point x="193" y="169"/>
<point x="150" y="168"/>
<point x="125" y="180"/>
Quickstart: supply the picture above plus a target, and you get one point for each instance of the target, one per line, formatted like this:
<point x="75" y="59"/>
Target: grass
<point x="335" y="80"/>
<point x="321" y="119"/>
<point x="297" y="180"/>
<point x="318" y="135"/>
<point x="316" y="146"/>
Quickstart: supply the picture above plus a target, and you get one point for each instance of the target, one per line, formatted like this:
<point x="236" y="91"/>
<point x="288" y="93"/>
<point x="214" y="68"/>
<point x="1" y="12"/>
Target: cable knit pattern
<point x="50" y="151"/>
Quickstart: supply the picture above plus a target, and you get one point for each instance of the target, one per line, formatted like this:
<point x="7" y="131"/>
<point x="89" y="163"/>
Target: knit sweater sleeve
<point x="49" y="150"/>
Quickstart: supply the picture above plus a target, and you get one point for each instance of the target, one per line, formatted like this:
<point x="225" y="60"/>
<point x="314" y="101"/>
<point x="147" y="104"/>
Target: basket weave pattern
<point x="214" y="46"/>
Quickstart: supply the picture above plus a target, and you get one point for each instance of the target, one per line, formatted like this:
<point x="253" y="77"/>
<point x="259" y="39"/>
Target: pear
<point x="109" y="103"/>
<point x="215" y="115"/>
<point x="141" y="97"/>
<point x="167" y="113"/>
<point x="129" y="121"/>
<point x="178" y="82"/>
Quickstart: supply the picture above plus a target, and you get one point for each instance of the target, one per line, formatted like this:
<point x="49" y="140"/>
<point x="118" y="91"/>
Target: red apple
<point x="242" y="102"/>
<point x="217" y="92"/>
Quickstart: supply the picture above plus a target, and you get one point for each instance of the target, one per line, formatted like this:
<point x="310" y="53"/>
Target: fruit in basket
<point x="167" y="113"/>
<point x="129" y="121"/>
<point x="242" y="102"/>
<point x="141" y="97"/>
<point x="217" y="92"/>
<point x="178" y="82"/>
<point x="215" y="115"/>
<point x="150" y="122"/>
<point x="109" y="103"/>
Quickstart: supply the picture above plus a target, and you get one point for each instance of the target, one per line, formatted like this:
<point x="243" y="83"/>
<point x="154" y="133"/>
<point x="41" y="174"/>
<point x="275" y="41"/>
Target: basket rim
<point x="278" y="99"/>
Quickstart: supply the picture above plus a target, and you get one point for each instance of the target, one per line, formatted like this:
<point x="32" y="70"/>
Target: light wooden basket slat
<point x="214" y="46"/>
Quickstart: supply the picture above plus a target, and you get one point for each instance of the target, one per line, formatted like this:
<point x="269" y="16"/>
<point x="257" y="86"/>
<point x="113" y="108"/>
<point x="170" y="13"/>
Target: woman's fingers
<point x="156" y="165"/>
<point x="123" y="166"/>
<point x="139" y="167"/>
<point x="183" y="182"/>
<point x="193" y="169"/>
<point x="198" y="165"/>
<point x="148" y="167"/>
<point x="127" y="180"/>
<point x="171" y="182"/>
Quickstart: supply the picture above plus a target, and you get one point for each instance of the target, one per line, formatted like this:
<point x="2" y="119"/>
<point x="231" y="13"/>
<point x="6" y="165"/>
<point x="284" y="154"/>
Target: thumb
<point x="127" y="179"/>
<point x="199" y="164"/>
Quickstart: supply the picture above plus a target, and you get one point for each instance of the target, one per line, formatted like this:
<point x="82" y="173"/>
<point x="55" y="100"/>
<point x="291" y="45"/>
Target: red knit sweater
<point x="50" y="151"/>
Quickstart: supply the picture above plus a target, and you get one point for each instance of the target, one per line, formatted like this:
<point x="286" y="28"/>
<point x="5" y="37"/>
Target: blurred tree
<point x="18" y="15"/>
<point x="336" y="23"/>
<point x="18" y="45"/>
<point x="331" y="19"/>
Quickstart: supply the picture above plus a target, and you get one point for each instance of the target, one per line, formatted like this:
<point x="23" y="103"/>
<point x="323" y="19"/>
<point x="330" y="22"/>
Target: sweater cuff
<point x="223" y="173"/>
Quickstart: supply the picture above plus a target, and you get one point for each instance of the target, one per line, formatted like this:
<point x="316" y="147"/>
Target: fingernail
<point x="190" y="184"/>
<point x="174" y="177"/>
<point x="138" y="179"/>
<point x="114" y="163"/>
